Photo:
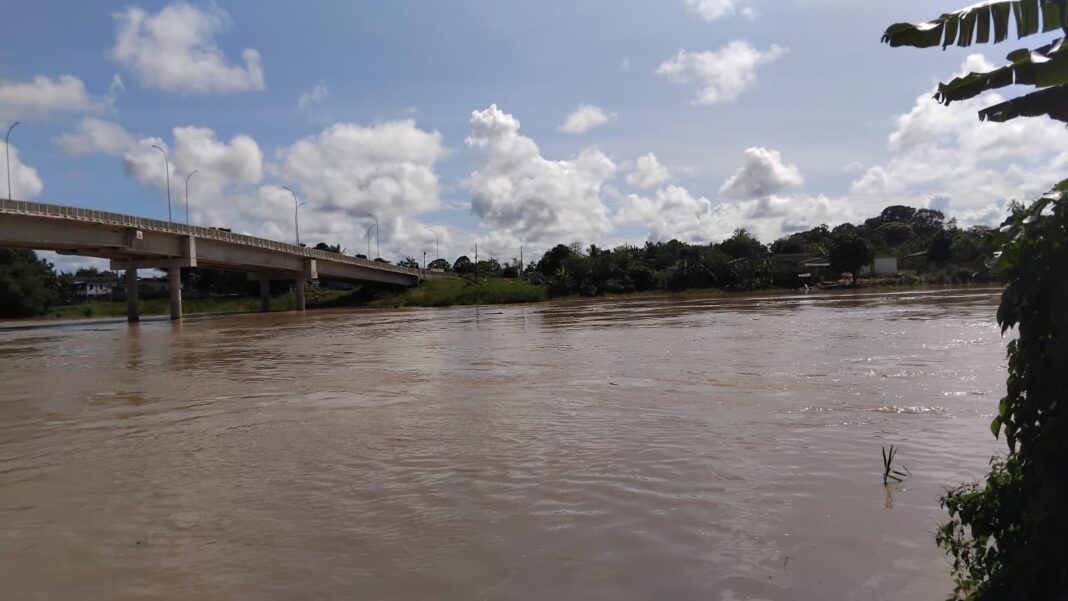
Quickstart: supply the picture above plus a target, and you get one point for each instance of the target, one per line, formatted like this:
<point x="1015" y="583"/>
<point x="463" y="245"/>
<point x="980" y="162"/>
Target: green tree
<point x="440" y="264"/>
<point x="28" y="285"/>
<point x="336" y="248"/>
<point x="743" y="245"/>
<point x="850" y="253"/>
<point x="1008" y="535"/>
<point x="463" y="265"/>
<point x="409" y="262"/>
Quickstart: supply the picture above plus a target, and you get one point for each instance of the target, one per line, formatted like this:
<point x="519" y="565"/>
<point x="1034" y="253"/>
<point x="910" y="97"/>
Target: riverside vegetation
<point x="940" y="252"/>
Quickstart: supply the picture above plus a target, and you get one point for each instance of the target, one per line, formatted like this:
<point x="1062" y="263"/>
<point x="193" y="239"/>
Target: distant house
<point x="798" y="269"/>
<point x="883" y="266"/>
<point x="153" y="287"/>
<point x="97" y="287"/>
<point x="915" y="261"/>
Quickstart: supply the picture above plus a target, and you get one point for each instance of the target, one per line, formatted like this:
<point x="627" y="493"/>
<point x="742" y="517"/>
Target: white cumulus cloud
<point x="218" y="164"/>
<point x="585" y="118"/>
<point x="534" y="198"/>
<point x="25" y="183"/>
<point x="387" y="169"/>
<point x="42" y="96"/>
<point x="175" y="50"/>
<point x="713" y="10"/>
<point x="945" y="152"/>
<point x="315" y="95"/>
<point x="648" y="172"/>
<point x="675" y="213"/>
<point x="763" y="174"/>
<point x="721" y="76"/>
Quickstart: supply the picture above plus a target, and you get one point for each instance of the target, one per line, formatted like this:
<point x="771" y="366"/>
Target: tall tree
<point x="850" y="253"/>
<point x="28" y="285"/>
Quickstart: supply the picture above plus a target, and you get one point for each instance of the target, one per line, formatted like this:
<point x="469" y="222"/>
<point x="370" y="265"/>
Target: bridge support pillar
<point x="265" y="294"/>
<point x="133" y="313"/>
<point x="174" y="284"/>
<point x="300" y="293"/>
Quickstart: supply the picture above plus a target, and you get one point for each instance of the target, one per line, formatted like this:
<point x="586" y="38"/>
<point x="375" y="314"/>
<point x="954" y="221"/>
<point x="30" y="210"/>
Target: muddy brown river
<point x="720" y="448"/>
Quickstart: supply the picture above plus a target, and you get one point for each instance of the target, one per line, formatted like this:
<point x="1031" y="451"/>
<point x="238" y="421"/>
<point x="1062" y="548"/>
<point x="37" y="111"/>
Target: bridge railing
<point x="145" y="223"/>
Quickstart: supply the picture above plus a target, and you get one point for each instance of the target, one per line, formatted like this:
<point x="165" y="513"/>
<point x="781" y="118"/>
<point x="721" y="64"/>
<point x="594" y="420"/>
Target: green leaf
<point x="1051" y="101"/>
<point x="995" y="426"/>
<point x="972" y="24"/>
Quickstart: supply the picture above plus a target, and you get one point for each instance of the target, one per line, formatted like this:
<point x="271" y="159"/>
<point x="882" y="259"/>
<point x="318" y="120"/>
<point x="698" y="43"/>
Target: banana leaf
<point x="1052" y="102"/>
<point x="1043" y="67"/>
<point x="973" y="24"/>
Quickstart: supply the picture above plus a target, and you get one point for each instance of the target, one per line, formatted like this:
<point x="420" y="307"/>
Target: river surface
<point x="671" y="448"/>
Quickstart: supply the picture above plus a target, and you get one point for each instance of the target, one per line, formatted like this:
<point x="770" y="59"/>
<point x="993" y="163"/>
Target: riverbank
<point x="443" y="293"/>
<point x="224" y="304"/>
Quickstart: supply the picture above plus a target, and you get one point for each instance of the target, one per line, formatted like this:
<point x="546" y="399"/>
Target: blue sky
<point x="770" y="115"/>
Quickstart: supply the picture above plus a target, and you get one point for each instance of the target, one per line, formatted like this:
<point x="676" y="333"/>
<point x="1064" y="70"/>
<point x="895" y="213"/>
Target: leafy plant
<point x="889" y="471"/>
<point x="1008" y="534"/>
<point x="1044" y="68"/>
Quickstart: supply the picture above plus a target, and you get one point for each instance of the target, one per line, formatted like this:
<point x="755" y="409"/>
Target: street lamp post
<point x="378" y="235"/>
<point x="369" y="228"/>
<point x="187" y="194"/>
<point x="167" y="171"/>
<point x="7" y="150"/>
<point x="296" y="208"/>
<point x="424" y="259"/>
<point x="437" y="244"/>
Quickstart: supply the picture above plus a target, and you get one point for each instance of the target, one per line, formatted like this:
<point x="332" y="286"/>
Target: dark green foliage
<point x="336" y="248"/>
<point x="440" y="264"/>
<point x="410" y="262"/>
<point x="850" y="253"/>
<point x="28" y="285"/>
<point x="1009" y="535"/>
<point x="463" y="265"/>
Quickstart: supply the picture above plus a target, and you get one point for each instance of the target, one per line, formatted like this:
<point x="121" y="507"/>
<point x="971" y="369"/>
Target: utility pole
<point x="521" y="263"/>
<point x="476" y="262"/>
<point x="424" y="259"/>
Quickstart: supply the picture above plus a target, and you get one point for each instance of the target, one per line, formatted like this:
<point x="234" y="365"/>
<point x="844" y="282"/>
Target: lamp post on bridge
<point x="194" y="172"/>
<point x="378" y="236"/>
<point x="167" y="172"/>
<point x="437" y="244"/>
<point x="369" y="228"/>
<point x="296" y="209"/>
<point x="7" y="150"/>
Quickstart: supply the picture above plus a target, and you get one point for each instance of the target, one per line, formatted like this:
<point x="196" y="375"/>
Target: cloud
<point x="387" y="169"/>
<point x="721" y="75"/>
<point x="72" y="263"/>
<point x="25" y="183"/>
<point x="531" y="197"/>
<point x="675" y="213"/>
<point x="175" y="50"/>
<point x="648" y="172"/>
<point x="43" y="96"/>
<point x="314" y="96"/>
<point x="96" y="136"/>
<point x="763" y="174"/>
<point x="218" y="164"/>
<point x="713" y="10"/>
<point x="946" y="152"/>
<point x="584" y="118"/>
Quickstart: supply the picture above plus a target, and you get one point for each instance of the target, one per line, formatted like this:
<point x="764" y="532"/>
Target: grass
<point x="226" y="304"/>
<point x="889" y="471"/>
<point x="458" y="291"/>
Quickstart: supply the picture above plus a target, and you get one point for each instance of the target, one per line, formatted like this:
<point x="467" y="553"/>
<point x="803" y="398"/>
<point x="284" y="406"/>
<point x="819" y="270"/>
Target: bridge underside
<point x="130" y="249"/>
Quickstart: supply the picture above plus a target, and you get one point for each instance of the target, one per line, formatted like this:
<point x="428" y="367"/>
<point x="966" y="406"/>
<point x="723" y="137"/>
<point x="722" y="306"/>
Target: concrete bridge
<point x="133" y="243"/>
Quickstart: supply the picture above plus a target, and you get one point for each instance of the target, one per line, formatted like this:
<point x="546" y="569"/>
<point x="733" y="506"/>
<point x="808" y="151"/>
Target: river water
<point x="719" y="448"/>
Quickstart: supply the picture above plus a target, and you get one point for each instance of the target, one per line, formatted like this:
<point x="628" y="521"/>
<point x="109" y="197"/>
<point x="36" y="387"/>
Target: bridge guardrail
<point x="145" y="223"/>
